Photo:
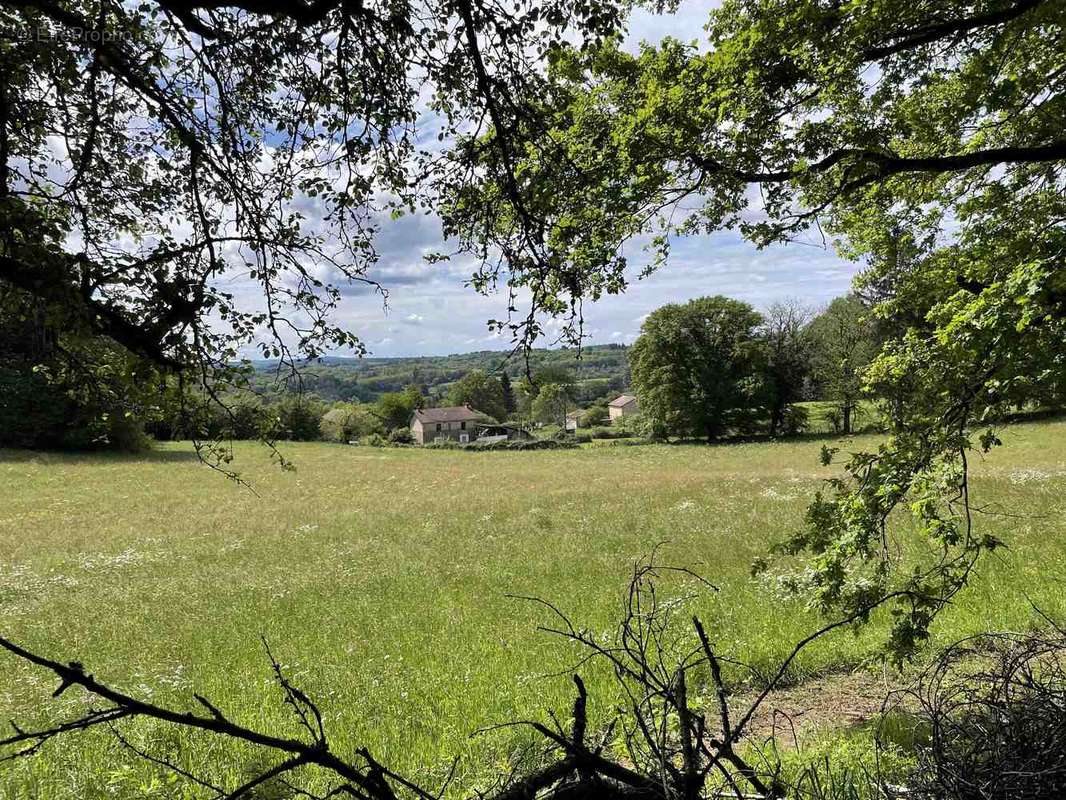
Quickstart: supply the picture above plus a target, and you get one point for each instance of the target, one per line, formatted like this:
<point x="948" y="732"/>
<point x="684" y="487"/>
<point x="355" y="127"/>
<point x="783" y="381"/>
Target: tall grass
<point x="381" y="578"/>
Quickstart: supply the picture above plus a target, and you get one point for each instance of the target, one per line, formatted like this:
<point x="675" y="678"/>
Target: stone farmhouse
<point x="450" y="422"/>
<point x="464" y="425"/>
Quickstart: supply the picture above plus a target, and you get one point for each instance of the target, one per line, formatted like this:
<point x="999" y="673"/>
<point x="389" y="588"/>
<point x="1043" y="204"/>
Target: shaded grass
<point x="380" y="577"/>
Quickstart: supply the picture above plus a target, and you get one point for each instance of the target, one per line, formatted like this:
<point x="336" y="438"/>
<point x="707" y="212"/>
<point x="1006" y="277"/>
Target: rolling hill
<point x="598" y="371"/>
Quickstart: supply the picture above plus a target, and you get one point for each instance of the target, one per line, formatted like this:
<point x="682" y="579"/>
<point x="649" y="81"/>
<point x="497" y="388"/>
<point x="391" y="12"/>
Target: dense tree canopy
<point x="821" y="105"/>
<point x="695" y="366"/>
<point x="481" y="392"/>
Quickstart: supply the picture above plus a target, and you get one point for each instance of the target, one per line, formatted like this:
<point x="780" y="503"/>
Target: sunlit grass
<point x="380" y="577"/>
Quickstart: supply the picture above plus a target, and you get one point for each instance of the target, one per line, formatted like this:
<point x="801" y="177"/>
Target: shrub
<point x="247" y="420"/>
<point x="608" y="433"/>
<point x="513" y="445"/>
<point x="401" y="436"/>
<point x="334" y="425"/>
<point x="446" y="444"/>
<point x="346" y="422"/>
<point x="834" y="419"/>
<point x="126" y="434"/>
<point x="652" y="429"/>
<point x="593" y="416"/>
<point x="532" y="444"/>
<point x="297" y="419"/>
<point x="794" y="420"/>
<point x="630" y="441"/>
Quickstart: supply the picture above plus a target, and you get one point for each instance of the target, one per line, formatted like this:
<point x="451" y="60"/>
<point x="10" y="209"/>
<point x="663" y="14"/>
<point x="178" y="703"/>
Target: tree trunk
<point x="776" y="413"/>
<point x="846" y="424"/>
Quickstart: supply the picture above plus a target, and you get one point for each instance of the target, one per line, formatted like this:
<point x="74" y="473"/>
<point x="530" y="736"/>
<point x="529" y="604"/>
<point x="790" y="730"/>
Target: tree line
<point x="701" y="369"/>
<point x="708" y="368"/>
<point x="600" y="368"/>
<point x="715" y="366"/>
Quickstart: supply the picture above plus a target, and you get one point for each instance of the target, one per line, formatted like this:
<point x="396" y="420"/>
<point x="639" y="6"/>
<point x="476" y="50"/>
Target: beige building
<point x="625" y="405"/>
<point x="450" y="422"/>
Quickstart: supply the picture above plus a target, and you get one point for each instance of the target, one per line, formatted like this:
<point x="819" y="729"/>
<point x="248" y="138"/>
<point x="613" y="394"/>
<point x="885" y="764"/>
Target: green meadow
<point x="381" y="579"/>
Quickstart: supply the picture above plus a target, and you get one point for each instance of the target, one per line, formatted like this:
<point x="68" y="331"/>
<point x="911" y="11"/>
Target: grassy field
<point x="380" y="578"/>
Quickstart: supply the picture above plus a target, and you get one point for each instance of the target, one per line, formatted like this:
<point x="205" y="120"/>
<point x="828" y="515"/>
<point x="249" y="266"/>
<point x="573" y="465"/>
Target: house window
<point x="462" y="426"/>
<point x="438" y="426"/>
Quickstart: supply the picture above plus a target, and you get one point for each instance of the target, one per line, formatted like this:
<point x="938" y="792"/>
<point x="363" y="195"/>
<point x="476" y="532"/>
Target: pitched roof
<point x="447" y="414"/>
<point x="622" y="400"/>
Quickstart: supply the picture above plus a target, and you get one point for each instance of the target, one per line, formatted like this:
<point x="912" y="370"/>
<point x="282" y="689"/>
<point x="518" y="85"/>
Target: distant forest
<point x="597" y="371"/>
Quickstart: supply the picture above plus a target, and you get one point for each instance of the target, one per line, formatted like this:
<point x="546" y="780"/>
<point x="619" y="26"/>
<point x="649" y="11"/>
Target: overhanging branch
<point x="927" y="34"/>
<point x="100" y="317"/>
<point x="884" y="165"/>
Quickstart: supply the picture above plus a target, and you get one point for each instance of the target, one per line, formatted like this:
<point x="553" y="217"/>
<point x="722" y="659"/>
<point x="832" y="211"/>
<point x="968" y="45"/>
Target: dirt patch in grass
<point x="832" y="702"/>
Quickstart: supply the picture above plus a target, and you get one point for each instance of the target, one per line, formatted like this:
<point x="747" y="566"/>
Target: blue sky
<point x="431" y="312"/>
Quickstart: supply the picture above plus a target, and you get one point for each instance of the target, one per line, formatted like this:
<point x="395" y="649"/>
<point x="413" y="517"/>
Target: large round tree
<point x="694" y="366"/>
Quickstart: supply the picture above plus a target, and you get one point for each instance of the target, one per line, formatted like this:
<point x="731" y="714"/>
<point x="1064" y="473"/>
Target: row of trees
<point x="64" y="389"/>
<point x="546" y="397"/>
<point x="305" y="417"/>
<point x="292" y="417"/>
<point x="48" y="401"/>
<point x="715" y="364"/>
<point x="709" y="366"/>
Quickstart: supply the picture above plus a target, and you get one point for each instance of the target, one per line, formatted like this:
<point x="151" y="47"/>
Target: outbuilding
<point x="625" y="405"/>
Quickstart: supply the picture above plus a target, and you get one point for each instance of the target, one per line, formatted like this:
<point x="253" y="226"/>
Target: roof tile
<point x="447" y="414"/>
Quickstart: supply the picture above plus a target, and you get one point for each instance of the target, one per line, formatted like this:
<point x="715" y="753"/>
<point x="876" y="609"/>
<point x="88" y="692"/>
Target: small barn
<point x="625" y="405"/>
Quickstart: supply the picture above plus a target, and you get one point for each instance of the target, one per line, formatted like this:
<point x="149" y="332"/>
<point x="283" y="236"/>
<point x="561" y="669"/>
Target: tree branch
<point x="886" y="164"/>
<point x="102" y="318"/>
<point x="927" y="34"/>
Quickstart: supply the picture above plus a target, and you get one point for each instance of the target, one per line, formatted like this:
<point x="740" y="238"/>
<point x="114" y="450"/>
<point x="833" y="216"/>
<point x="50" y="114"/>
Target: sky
<point x="430" y="310"/>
